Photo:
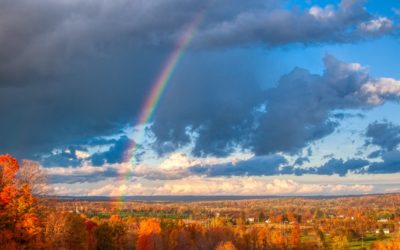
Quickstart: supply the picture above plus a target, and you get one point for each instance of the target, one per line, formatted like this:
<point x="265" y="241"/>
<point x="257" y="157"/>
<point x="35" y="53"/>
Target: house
<point x="250" y="220"/>
<point x="383" y="220"/>
<point x="385" y="231"/>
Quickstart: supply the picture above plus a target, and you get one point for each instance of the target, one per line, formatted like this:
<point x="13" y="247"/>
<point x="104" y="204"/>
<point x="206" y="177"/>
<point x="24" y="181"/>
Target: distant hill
<point x="182" y="198"/>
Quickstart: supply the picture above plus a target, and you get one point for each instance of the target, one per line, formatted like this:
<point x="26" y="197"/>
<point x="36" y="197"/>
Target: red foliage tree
<point x="19" y="223"/>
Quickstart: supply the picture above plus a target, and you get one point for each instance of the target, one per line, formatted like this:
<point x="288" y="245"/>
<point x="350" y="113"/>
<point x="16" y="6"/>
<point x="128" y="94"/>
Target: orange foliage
<point x="149" y="235"/>
<point x="226" y="246"/>
<point x="277" y="238"/>
<point x="388" y="245"/>
<point x="149" y="226"/>
<point x="19" y="224"/>
<point x="295" y="235"/>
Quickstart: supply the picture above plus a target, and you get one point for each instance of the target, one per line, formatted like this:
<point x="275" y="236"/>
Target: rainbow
<point x="161" y="82"/>
<point x="150" y="105"/>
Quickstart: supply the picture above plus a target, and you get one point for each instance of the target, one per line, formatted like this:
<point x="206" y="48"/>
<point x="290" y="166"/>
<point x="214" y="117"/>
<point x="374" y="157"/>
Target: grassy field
<point x="359" y="244"/>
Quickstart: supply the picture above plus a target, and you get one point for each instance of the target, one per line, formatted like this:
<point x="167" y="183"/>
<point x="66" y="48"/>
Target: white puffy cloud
<point x="322" y="13"/>
<point x="380" y="89"/>
<point x="81" y="154"/>
<point x="377" y="26"/>
<point x="178" y="161"/>
<point x="196" y="185"/>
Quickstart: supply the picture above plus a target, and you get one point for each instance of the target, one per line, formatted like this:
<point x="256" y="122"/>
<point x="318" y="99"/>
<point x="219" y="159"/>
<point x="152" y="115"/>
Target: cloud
<point x="213" y="110"/>
<point x="383" y="134"/>
<point x="301" y="160"/>
<point x="81" y="69"/>
<point x="81" y="174"/>
<point x="271" y="165"/>
<point x="223" y="186"/>
<point x="299" y="109"/>
<point x="286" y="118"/>
<point x="377" y="26"/>
<point x="386" y="136"/>
<point x="181" y="167"/>
<point x="340" y="167"/>
<point x="375" y="154"/>
<point x="38" y="39"/>
<point x="348" y="21"/>
<point x="390" y="163"/>
<point x="70" y="156"/>
<point x="115" y="154"/>
<point x="377" y="90"/>
<point x="256" y="166"/>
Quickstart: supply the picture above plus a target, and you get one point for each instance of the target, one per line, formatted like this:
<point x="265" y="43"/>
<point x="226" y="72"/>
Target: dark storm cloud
<point x="82" y="177"/>
<point x="63" y="158"/>
<point x="375" y="154"/>
<point x="276" y="165"/>
<point x="390" y="163"/>
<point x="71" y="71"/>
<point x="299" y="110"/>
<point x="39" y="38"/>
<point x="331" y="167"/>
<point x="115" y="154"/>
<point x="286" y="118"/>
<point x="258" y="166"/>
<point x="301" y="160"/>
<point x="383" y="134"/>
<point x="340" y="167"/>
<point x="219" y="115"/>
<point x="348" y="21"/>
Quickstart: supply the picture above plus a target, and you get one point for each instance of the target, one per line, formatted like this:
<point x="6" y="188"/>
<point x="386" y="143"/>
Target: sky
<point x="212" y="97"/>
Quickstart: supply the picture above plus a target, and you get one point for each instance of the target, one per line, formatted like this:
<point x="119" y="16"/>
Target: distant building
<point x="268" y="221"/>
<point x="383" y="220"/>
<point x="250" y="220"/>
<point x="385" y="231"/>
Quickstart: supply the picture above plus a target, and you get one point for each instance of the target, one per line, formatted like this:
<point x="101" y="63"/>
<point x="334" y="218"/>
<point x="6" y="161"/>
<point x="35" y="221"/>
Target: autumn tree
<point x="179" y="238"/>
<point x="277" y="238"/>
<point x="31" y="173"/>
<point x="91" y="227"/>
<point x="261" y="217"/>
<point x="75" y="236"/>
<point x="226" y="246"/>
<point x="295" y="236"/>
<point x="104" y="235"/>
<point x="19" y="222"/>
<point x="53" y="230"/>
<point x="263" y="238"/>
<point x="291" y="217"/>
<point x="118" y="230"/>
<point x="387" y="245"/>
<point x="149" y="235"/>
<point x="340" y="242"/>
<point x="251" y="237"/>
